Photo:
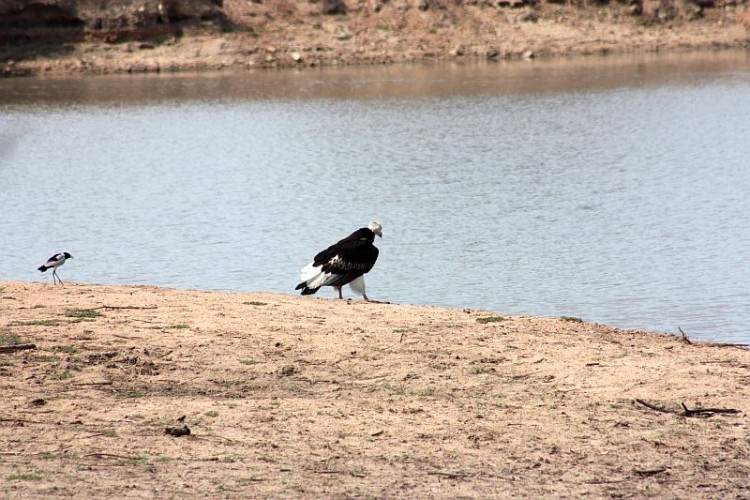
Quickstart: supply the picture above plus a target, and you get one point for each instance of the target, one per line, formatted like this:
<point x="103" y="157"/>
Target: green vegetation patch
<point x="490" y="319"/>
<point x="133" y="394"/>
<point x="67" y="349"/>
<point x="250" y="361"/>
<point x="64" y="375"/>
<point x="36" y="322"/>
<point x="179" y="326"/>
<point x="572" y="319"/>
<point x="9" y="339"/>
<point x="255" y="303"/>
<point x="404" y="330"/>
<point x="82" y="313"/>
<point x="25" y="477"/>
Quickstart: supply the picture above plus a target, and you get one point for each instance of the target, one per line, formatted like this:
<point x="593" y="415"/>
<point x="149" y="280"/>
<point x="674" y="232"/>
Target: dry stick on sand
<point x="25" y="454"/>
<point x="109" y="455"/>
<point x="17" y="347"/>
<point x="697" y="412"/>
<point x="653" y="407"/>
<point x="451" y="475"/>
<point x="125" y="307"/>
<point x="650" y="472"/>
<point x="718" y="344"/>
<point x="20" y="421"/>
<point x="706" y="411"/>
<point x="684" y="337"/>
<point x="330" y="471"/>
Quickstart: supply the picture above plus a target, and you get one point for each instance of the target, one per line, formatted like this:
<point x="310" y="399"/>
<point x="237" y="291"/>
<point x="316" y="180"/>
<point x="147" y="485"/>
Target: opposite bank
<point x="53" y="37"/>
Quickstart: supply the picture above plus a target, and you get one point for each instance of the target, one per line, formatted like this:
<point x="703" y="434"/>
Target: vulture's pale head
<point x="376" y="228"/>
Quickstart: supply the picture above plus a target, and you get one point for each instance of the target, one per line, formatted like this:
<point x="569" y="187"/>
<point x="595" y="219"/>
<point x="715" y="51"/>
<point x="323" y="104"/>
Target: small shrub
<point x="68" y="349"/>
<point x="572" y="319"/>
<point x="82" y="313"/>
<point x="63" y="375"/>
<point x="25" y="477"/>
<point x="490" y="319"/>
<point x="36" y="322"/>
<point x="426" y="392"/>
<point x="10" y="339"/>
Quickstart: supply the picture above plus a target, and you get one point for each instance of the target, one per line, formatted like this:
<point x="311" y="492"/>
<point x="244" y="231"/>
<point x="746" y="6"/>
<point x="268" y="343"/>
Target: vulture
<point x="53" y="263"/>
<point x="343" y="263"/>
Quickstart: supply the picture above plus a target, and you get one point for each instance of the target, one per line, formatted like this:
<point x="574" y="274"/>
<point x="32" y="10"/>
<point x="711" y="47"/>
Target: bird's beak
<point x="379" y="233"/>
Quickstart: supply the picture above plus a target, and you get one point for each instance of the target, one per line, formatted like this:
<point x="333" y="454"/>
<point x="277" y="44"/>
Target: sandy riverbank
<point x="290" y="396"/>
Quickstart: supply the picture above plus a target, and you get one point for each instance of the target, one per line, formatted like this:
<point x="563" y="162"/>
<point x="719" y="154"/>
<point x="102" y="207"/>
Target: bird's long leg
<point x="341" y="296"/>
<point x="54" y="275"/>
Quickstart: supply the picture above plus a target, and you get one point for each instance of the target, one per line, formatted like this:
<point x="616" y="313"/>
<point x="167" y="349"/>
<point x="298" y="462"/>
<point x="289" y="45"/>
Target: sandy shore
<point x="308" y="397"/>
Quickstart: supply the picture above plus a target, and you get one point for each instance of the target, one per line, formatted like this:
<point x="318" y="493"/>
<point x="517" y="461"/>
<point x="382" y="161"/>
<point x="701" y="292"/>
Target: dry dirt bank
<point x="258" y="34"/>
<point x="307" y="397"/>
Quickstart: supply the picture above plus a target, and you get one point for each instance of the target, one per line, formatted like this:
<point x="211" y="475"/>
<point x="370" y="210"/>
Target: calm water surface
<point x="617" y="189"/>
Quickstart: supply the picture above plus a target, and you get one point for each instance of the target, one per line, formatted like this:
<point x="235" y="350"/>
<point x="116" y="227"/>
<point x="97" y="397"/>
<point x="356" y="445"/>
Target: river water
<point x="612" y="189"/>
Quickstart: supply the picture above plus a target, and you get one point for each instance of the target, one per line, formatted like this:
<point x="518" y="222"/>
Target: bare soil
<point x="286" y="396"/>
<point x="295" y="34"/>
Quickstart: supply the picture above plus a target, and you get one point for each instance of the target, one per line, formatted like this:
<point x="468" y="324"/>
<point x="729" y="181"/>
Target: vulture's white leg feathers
<point x="358" y="286"/>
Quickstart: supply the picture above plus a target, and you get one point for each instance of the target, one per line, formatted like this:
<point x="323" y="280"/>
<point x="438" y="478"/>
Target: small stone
<point x="177" y="431"/>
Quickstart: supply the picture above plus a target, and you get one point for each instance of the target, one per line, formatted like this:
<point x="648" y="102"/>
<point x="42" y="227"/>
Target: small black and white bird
<point x="54" y="262"/>
<point x="343" y="263"/>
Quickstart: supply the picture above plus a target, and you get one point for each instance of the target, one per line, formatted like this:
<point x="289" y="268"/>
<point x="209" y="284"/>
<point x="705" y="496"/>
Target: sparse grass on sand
<point x="316" y="397"/>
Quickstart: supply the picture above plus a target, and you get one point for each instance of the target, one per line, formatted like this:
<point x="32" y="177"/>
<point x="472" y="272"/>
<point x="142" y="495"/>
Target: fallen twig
<point x="605" y="481"/>
<point x="109" y="455"/>
<point x="684" y="336"/>
<point x="451" y="475"/>
<point x="653" y="407"/>
<point x="20" y="421"/>
<point x="126" y="307"/>
<point x="25" y="454"/>
<point x="16" y="347"/>
<point x="650" y="472"/>
<point x="717" y="344"/>
<point x="210" y="437"/>
<point x="329" y="471"/>
<point x="705" y="412"/>
<point x="687" y="412"/>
